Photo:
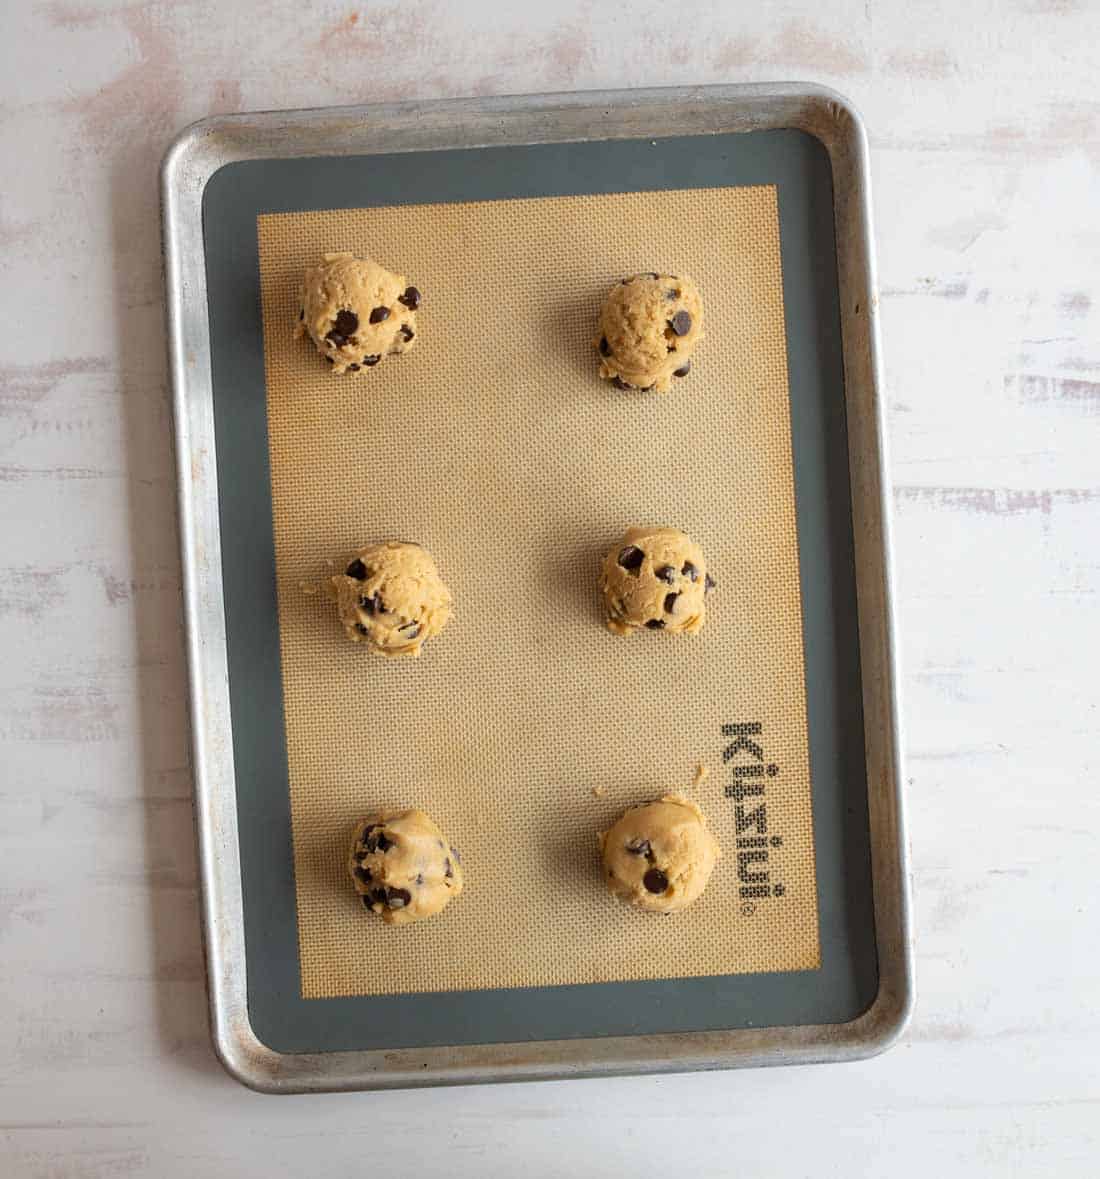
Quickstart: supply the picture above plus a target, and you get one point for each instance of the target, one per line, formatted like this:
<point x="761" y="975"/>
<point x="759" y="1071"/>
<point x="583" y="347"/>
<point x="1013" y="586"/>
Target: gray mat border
<point x="847" y="983"/>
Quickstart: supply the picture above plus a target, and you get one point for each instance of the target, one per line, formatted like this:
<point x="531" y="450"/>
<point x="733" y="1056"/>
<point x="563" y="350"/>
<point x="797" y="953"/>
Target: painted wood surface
<point x="985" y="134"/>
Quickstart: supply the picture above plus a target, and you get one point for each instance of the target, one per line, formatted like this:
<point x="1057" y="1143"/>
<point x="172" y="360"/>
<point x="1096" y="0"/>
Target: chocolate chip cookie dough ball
<point x="392" y="598"/>
<point x="402" y="867"/>
<point x="356" y="312"/>
<point x="649" y="326"/>
<point x="657" y="579"/>
<point x="659" y="857"/>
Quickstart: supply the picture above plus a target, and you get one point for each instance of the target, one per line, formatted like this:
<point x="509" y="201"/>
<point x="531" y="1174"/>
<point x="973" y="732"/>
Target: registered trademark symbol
<point x="747" y="909"/>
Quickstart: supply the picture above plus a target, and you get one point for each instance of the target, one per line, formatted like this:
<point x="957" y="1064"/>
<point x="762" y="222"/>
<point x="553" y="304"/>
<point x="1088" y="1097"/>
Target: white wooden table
<point x="985" y="132"/>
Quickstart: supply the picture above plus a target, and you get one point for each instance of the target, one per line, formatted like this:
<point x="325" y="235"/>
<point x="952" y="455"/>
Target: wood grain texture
<point x="985" y="139"/>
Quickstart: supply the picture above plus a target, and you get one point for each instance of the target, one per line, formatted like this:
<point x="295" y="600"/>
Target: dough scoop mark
<point x="411" y="298"/>
<point x="655" y="880"/>
<point x="631" y="558"/>
<point x="357" y="570"/>
<point x="379" y="315"/>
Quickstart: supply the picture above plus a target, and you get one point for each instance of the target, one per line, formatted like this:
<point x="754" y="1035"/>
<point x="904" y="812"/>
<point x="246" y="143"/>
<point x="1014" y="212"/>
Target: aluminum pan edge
<point x="193" y="157"/>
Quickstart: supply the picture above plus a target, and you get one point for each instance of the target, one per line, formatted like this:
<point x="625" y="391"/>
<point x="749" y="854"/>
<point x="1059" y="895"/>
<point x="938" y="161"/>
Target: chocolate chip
<point x="367" y="900"/>
<point x="605" y="347"/>
<point x="346" y="323"/>
<point x="406" y="332"/>
<point x="619" y="383"/>
<point x="330" y="359"/>
<point x="656" y="624"/>
<point x="376" y="840"/>
<point x="654" y="274"/>
<point x="709" y="583"/>
<point x="357" y="570"/>
<point x="631" y="558"/>
<point x="671" y="295"/>
<point x="363" y="874"/>
<point x="649" y="388"/>
<point x="655" y="880"/>
<point x="454" y="852"/>
<point x="411" y="298"/>
<point x="367" y="832"/>
<point x="410" y="630"/>
<point x="680" y="323"/>
<point x="448" y="870"/>
<point x="639" y="847"/>
<point x="336" y="339"/>
<point x="419" y="878"/>
<point x="683" y="370"/>
<point x="353" y="368"/>
<point x="377" y="896"/>
<point x="379" y="314"/>
<point x="361" y="628"/>
<point x="690" y="572"/>
<point x="665" y="573"/>
<point x="301" y="314"/>
<point x="372" y="605"/>
<point x="371" y="361"/>
<point x="398" y="898"/>
<point x="442" y="845"/>
<point x="670" y="602"/>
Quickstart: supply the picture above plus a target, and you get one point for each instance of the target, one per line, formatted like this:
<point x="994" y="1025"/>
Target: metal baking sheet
<point x="810" y="145"/>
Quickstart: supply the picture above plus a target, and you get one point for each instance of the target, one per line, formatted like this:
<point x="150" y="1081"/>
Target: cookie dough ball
<point x="357" y="312"/>
<point x="649" y="326"/>
<point x="656" y="578"/>
<point x="402" y="867"/>
<point x="392" y="598"/>
<point x="659" y="857"/>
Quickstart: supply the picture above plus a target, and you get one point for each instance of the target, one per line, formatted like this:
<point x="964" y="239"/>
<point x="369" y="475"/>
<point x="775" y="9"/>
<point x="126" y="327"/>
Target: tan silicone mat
<point x="526" y="727"/>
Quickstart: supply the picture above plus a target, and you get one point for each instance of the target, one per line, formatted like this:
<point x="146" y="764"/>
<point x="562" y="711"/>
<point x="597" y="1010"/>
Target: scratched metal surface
<point x="985" y="140"/>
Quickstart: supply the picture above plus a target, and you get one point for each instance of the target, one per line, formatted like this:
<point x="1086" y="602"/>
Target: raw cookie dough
<point x="656" y="578"/>
<point x="402" y="867"/>
<point x="659" y="857"/>
<point x="649" y="326"/>
<point x="391" y="597"/>
<point x="356" y="311"/>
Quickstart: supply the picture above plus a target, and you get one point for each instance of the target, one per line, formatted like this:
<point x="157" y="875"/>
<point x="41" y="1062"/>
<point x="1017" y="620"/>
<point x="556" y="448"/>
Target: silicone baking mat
<point x="526" y="727"/>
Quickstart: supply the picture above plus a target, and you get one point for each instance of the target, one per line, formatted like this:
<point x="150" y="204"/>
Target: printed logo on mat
<point x="749" y="771"/>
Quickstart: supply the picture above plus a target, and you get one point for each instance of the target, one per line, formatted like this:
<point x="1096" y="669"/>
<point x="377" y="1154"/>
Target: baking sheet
<point x="494" y="444"/>
<point x="216" y="179"/>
